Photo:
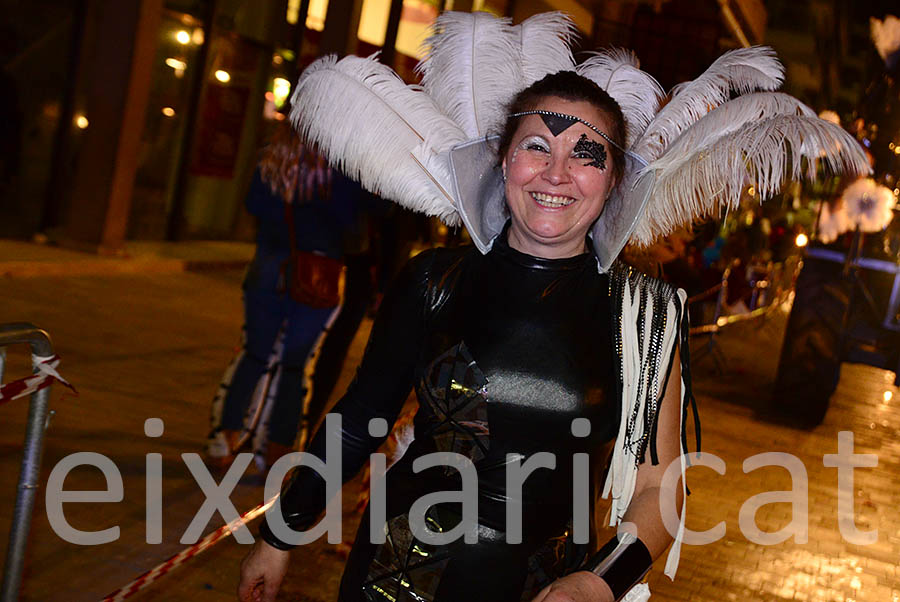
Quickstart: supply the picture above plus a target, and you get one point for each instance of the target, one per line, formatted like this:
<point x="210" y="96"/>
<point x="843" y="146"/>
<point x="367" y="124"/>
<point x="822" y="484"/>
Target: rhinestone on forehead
<point x="571" y="118"/>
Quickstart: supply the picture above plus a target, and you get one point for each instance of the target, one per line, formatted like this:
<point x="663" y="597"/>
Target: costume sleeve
<point x="379" y="390"/>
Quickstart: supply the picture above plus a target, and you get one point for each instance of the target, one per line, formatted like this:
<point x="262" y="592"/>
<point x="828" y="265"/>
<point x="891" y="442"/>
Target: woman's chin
<point x="548" y="230"/>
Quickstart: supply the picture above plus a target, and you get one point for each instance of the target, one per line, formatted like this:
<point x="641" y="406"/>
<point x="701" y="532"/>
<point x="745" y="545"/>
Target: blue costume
<point x="320" y="224"/>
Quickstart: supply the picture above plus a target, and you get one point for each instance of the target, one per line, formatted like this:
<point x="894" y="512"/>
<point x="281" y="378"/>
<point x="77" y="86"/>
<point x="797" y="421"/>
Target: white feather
<point x="472" y="69"/>
<point x="618" y="72"/>
<point x="378" y="130"/>
<point x="742" y="70"/>
<point x="725" y="119"/>
<point x="545" y="41"/>
<point x="763" y="153"/>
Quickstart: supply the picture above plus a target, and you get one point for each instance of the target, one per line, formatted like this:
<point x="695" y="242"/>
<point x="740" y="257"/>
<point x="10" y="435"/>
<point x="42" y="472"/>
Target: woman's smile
<point x="552" y="201"/>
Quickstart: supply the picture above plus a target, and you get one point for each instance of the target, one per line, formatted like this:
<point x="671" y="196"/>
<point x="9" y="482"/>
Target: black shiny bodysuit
<point x="504" y="350"/>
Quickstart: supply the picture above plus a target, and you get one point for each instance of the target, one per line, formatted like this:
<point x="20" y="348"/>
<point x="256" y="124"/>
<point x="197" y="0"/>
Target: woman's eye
<point x="536" y="147"/>
<point x="583" y="155"/>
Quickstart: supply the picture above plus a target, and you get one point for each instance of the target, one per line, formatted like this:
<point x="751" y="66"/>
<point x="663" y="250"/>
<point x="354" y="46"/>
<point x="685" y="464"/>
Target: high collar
<point x="502" y="249"/>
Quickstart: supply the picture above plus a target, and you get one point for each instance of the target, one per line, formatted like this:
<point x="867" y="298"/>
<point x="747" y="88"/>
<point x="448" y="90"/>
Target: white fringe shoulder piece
<point x="652" y="324"/>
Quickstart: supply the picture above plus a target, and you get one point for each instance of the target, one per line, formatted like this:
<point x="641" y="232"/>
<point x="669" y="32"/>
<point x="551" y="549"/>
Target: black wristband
<point x="622" y="563"/>
<point x="267" y="536"/>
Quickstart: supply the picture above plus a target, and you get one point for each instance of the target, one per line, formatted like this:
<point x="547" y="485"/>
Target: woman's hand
<point x="262" y="571"/>
<point x="580" y="586"/>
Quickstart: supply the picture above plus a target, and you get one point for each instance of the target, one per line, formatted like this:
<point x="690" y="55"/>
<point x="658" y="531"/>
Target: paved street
<point x="155" y="345"/>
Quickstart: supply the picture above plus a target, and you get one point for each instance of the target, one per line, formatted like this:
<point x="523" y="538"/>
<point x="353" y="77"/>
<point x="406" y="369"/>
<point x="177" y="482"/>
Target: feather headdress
<point x="717" y="135"/>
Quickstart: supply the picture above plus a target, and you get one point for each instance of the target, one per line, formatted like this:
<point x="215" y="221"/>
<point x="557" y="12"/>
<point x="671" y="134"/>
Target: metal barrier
<point x="12" y="334"/>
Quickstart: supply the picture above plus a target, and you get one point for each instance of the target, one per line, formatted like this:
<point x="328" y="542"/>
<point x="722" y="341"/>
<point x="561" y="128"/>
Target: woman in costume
<point x="534" y="341"/>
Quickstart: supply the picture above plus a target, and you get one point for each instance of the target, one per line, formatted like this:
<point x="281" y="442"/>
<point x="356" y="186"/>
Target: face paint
<point x="558" y="123"/>
<point x="533" y="143"/>
<point x="586" y="148"/>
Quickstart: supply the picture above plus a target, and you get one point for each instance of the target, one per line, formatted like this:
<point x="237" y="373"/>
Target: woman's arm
<point x="644" y="510"/>
<point x="643" y="518"/>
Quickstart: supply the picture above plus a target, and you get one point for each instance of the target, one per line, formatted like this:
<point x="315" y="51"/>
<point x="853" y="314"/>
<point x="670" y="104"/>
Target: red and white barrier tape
<point x="186" y="554"/>
<point x="46" y="374"/>
<point x="400" y="439"/>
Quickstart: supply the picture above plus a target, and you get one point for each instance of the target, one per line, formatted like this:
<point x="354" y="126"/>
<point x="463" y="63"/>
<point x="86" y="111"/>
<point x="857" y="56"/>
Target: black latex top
<point x="532" y="335"/>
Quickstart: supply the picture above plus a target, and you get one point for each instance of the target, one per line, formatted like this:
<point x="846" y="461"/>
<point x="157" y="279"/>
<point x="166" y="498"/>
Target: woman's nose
<point x="557" y="171"/>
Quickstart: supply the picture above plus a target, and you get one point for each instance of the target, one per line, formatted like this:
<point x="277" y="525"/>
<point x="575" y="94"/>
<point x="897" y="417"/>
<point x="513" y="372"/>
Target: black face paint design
<point x="558" y="123"/>
<point x="595" y="150"/>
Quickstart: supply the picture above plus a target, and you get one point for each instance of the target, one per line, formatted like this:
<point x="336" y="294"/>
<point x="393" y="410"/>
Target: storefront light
<point x="81" y="122"/>
<point x="315" y="16"/>
<point x="293" y="12"/>
<point x="168" y="111"/>
<point x="176" y="64"/>
<point x="223" y="76"/>
<point x="281" y="89"/>
<point x="197" y="37"/>
<point x="183" y="37"/>
<point x="802" y="240"/>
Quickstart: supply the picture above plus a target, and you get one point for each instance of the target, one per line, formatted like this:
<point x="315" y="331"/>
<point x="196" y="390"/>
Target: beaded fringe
<point x="650" y="322"/>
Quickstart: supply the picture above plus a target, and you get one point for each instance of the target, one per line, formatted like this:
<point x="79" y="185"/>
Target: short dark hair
<point x="570" y="86"/>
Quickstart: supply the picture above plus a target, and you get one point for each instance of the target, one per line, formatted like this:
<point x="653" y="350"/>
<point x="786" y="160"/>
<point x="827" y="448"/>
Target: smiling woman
<point x="556" y="184"/>
<point x="512" y="355"/>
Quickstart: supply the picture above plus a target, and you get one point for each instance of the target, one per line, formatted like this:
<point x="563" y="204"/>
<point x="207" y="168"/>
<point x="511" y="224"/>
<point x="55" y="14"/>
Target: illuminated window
<point x="293" y="12"/>
<point x="417" y="17"/>
<point x="315" y="18"/>
<point x="373" y="21"/>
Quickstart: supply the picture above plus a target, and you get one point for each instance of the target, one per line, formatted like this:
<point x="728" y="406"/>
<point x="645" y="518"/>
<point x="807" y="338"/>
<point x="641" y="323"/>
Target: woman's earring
<point x="504" y="175"/>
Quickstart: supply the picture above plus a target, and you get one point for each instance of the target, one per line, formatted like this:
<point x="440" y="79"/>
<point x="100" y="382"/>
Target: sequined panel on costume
<point x="405" y="569"/>
<point x="455" y="389"/>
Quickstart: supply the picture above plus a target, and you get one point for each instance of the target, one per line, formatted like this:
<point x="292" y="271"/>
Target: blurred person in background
<point x="290" y="180"/>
